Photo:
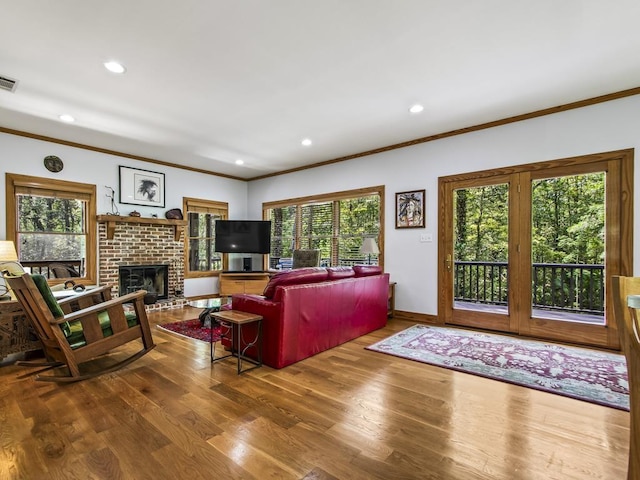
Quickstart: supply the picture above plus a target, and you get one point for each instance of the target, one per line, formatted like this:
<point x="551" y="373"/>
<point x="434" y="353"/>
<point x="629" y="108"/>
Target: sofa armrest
<point x="246" y="302"/>
<point x="271" y="324"/>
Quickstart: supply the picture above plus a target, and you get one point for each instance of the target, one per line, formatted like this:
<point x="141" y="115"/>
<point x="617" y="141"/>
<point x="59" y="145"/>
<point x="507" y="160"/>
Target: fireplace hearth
<point x="152" y="278"/>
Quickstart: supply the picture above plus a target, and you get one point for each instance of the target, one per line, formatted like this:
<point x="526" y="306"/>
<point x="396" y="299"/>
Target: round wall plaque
<point x="53" y="163"/>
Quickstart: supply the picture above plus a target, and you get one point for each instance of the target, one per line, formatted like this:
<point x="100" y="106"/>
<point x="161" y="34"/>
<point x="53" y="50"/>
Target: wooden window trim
<point x="619" y="165"/>
<point x="199" y="205"/>
<point x="25" y="184"/>
<point x="332" y="197"/>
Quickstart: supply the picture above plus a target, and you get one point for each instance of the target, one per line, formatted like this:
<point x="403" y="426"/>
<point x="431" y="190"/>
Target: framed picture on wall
<point x="141" y="187"/>
<point x="410" y="209"/>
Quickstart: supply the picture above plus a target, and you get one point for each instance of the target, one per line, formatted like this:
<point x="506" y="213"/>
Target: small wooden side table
<point x="391" y="310"/>
<point x="229" y="319"/>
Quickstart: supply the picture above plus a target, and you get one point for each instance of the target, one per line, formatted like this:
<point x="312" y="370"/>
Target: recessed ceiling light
<point x="417" y="108"/>
<point x="239" y="162"/>
<point x="65" y="117"/>
<point x="114" y="67"/>
<point x="306" y="142"/>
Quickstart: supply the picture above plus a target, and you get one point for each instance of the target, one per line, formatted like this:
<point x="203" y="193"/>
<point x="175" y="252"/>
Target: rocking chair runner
<point x="73" y="337"/>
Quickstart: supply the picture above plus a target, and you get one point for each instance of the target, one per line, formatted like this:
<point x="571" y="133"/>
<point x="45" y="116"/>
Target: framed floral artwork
<point x="410" y="209"/>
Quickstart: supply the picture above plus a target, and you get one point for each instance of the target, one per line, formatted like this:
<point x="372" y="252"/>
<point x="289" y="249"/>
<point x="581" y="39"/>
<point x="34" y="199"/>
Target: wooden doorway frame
<point x="620" y="202"/>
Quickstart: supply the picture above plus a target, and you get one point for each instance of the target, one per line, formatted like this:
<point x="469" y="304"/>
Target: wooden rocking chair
<point x="70" y="338"/>
<point x="627" y="314"/>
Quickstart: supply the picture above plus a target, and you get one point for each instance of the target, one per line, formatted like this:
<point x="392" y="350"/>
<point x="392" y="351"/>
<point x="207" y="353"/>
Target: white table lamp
<point x="369" y="246"/>
<point x="7" y="254"/>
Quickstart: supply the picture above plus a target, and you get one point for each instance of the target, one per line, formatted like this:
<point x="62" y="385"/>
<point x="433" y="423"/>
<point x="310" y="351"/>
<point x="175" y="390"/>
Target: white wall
<point x="25" y="156"/>
<point x="604" y="127"/>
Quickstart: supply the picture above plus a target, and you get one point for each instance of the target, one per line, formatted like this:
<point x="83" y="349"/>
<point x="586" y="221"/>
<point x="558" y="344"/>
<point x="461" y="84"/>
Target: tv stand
<point x="224" y="272"/>
<point x="243" y="282"/>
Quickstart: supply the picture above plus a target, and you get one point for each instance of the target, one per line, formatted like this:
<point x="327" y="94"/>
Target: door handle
<point x="448" y="262"/>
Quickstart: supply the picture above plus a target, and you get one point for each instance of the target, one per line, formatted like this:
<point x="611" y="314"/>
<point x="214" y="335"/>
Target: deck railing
<point x="555" y="286"/>
<point x="42" y="267"/>
<point x="285" y="263"/>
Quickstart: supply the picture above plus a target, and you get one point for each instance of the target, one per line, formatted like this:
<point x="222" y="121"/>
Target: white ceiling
<point x="212" y="81"/>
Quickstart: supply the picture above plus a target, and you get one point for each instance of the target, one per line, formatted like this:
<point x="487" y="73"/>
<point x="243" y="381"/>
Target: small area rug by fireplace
<point x="590" y="375"/>
<point x="191" y="329"/>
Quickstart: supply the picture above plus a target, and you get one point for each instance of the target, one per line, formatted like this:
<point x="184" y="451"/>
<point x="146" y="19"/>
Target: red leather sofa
<point x="309" y="310"/>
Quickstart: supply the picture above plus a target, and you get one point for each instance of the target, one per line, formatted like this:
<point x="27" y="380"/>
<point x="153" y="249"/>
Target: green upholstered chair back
<point x="73" y="330"/>
<point x="47" y="295"/>
<point x="306" y="258"/>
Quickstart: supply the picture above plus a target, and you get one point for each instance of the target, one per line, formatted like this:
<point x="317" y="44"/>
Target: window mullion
<point x="335" y="244"/>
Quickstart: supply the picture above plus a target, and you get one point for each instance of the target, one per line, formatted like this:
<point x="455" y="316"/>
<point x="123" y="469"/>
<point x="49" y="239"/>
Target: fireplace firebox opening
<point x="152" y="278"/>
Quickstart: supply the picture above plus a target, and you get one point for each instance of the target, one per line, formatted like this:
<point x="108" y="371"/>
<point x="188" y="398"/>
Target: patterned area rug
<point x="192" y="329"/>
<point x="589" y="375"/>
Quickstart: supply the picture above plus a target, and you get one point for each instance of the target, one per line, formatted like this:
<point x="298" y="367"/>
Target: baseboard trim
<point x="417" y="317"/>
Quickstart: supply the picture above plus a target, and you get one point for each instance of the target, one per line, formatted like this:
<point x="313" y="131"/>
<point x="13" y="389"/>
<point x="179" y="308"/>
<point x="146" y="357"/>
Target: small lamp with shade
<point x="369" y="247"/>
<point x="8" y="262"/>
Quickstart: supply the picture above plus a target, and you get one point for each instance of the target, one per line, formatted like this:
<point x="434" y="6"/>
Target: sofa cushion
<point x="295" y="277"/>
<point x="336" y="273"/>
<point x="367" y="270"/>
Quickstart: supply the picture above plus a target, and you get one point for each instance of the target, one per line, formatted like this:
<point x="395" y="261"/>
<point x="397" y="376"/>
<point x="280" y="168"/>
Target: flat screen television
<point x="243" y="236"/>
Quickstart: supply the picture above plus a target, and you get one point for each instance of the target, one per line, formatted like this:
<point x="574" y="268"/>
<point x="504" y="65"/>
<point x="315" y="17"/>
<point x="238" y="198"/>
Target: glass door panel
<point x="481" y="248"/>
<point x="568" y="248"/>
<point x="570" y="252"/>
<point x="478" y="265"/>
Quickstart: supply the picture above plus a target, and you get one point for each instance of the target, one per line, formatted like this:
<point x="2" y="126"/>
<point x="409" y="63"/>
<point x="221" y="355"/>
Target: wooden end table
<point x="16" y="334"/>
<point x="391" y="309"/>
<point x="227" y="320"/>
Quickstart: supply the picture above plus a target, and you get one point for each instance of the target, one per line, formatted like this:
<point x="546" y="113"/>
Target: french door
<point x="530" y="250"/>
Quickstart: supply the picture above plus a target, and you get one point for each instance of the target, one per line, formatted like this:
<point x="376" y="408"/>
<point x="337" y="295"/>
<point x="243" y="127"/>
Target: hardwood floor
<point x="347" y="413"/>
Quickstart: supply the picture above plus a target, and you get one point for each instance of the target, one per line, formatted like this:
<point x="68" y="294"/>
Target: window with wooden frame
<point x="201" y="259"/>
<point x="53" y="222"/>
<point x="335" y="223"/>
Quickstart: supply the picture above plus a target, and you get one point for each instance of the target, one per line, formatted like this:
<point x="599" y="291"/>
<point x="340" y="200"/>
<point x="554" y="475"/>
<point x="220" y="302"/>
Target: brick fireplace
<point x="131" y="241"/>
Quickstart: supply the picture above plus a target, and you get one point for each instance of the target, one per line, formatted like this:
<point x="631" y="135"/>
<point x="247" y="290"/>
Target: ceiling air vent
<point x="8" y="84"/>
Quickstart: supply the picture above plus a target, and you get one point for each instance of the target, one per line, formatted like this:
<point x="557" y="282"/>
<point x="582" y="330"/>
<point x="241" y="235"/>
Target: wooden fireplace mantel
<point x="112" y="220"/>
